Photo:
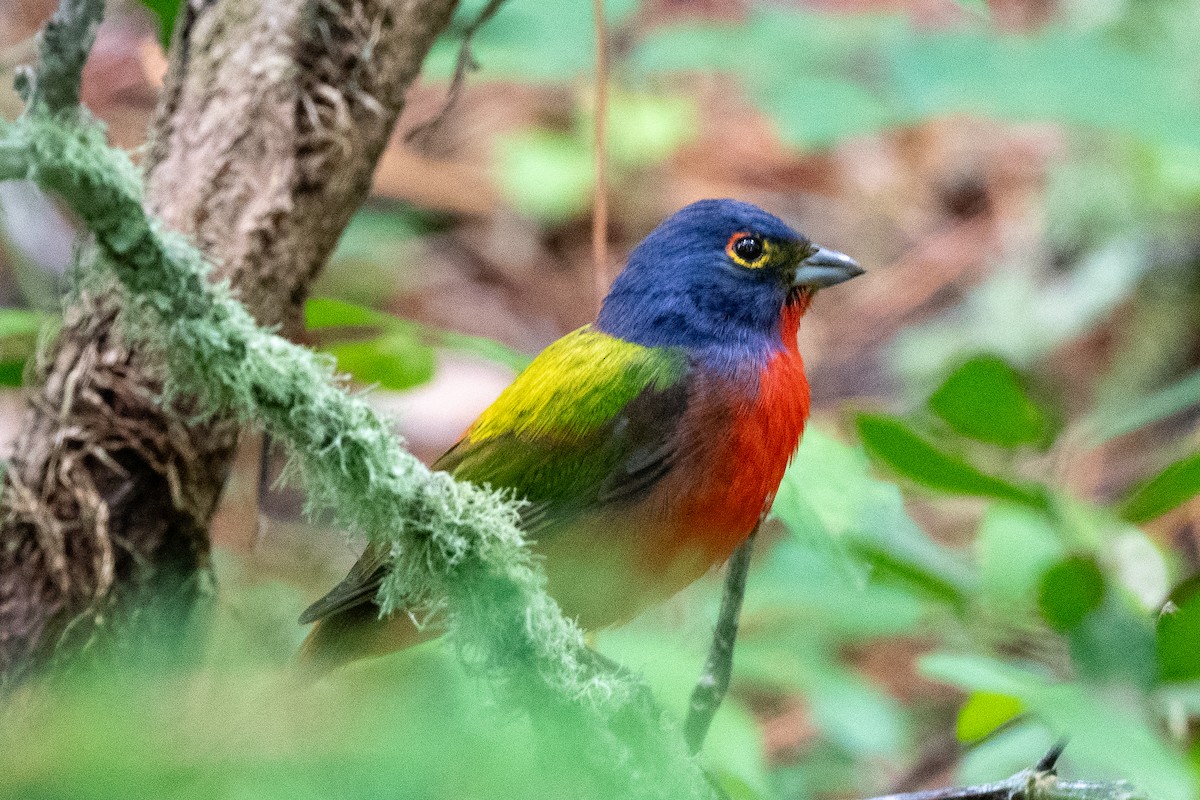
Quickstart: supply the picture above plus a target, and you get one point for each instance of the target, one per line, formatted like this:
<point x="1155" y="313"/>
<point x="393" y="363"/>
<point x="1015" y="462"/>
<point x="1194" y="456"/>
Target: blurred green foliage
<point x="165" y="11"/>
<point x="549" y="176"/>
<point x="392" y="353"/>
<point x="19" y="332"/>
<point x="984" y="399"/>
<point x="914" y="457"/>
<point x="1062" y="632"/>
<point x="1174" y="485"/>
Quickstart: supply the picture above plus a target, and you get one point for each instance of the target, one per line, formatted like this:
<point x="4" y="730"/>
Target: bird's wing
<point x="591" y="422"/>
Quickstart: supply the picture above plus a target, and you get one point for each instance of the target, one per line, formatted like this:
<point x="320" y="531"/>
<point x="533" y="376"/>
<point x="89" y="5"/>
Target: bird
<point x="646" y="445"/>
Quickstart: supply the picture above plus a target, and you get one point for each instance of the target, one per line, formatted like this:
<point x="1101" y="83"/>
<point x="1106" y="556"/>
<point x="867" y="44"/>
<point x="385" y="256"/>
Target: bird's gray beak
<point x="826" y="268"/>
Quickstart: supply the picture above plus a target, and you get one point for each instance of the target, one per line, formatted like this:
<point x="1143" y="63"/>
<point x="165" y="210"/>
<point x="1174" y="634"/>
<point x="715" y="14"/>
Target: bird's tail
<point x="357" y="633"/>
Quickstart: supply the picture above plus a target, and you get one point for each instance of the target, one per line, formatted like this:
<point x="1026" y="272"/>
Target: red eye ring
<point x="745" y="248"/>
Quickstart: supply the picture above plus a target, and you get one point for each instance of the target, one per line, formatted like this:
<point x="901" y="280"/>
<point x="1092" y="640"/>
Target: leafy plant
<point x="393" y="353"/>
<point x="1077" y="587"/>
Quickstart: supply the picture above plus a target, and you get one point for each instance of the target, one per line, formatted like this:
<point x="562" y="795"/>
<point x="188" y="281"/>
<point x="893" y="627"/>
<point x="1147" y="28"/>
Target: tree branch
<point x="267" y="133"/>
<point x="1039" y="783"/>
<point x="453" y="543"/>
<point x="463" y="65"/>
<point x="65" y="43"/>
<point x="718" y="668"/>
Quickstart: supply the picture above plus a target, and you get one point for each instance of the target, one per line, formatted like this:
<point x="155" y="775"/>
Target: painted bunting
<point x="647" y="444"/>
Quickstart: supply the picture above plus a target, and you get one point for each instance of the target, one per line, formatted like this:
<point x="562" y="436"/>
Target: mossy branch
<point x="455" y="546"/>
<point x="65" y="43"/>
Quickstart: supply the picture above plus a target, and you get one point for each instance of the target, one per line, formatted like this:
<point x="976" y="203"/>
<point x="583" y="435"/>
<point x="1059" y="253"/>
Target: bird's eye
<point x="746" y="249"/>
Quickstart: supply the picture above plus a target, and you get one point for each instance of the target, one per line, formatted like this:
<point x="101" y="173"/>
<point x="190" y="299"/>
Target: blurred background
<point x="971" y="557"/>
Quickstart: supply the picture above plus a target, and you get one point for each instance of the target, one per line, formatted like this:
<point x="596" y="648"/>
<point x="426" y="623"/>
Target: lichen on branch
<point x="66" y="41"/>
<point x="456" y="546"/>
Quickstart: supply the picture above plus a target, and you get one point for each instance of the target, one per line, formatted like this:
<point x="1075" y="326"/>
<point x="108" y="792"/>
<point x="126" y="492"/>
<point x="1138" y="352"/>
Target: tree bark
<point x="265" y="139"/>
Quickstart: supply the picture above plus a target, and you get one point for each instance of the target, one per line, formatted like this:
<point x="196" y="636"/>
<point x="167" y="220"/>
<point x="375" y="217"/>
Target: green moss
<point x="456" y="547"/>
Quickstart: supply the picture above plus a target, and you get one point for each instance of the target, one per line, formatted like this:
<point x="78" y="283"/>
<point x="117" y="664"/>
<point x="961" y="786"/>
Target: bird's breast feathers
<point x="701" y="446"/>
<point x="744" y="435"/>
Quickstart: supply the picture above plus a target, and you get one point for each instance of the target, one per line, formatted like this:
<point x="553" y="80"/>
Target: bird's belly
<point x="605" y="567"/>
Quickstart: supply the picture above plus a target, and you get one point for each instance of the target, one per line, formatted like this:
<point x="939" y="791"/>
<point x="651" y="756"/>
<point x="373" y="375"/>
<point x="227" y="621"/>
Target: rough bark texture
<point x="273" y="116"/>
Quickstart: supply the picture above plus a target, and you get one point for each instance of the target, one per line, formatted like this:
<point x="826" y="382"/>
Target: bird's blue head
<point x="715" y="279"/>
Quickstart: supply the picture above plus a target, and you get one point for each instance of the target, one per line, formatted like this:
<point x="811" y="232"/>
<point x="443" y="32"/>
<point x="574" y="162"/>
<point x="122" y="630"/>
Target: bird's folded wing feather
<point x="591" y="422"/>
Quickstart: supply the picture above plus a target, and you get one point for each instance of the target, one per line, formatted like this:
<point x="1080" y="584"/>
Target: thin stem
<point x="600" y="214"/>
<point x="465" y="63"/>
<point x="714" y="682"/>
<point x="1049" y="762"/>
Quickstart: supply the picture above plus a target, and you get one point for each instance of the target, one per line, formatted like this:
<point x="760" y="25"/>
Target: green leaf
<point x="645" y="129"/>
<point x="12" y="373"/>
<point x="19" y="329"/>
<point x="1113" y="644"/>
<point x="327" y="312"/>
<point x="820" y="92"/>
<point x="1172" y="487"/>
<point x="856" y="715"/>
<point x="895" y="444"/>
<point x="984" y="399"/>
<point x="1166" y="402"/>
<point x="1070" y="589"/>
<point x="166" y="11"/>
<point x="478" y="345"/>
<point x="1015" y="546"/>
<point x="983" y="713"/>
<point x="823" y="597"/>
<point x="1179" y="632"/>
<point x="20" y="322"/>
<point x="1006" y="752"/>
<point x="1106" y="738"/>
<point x="397" y="360"/>
<point x="546" y="175"/>
<point x="830" y="501"/>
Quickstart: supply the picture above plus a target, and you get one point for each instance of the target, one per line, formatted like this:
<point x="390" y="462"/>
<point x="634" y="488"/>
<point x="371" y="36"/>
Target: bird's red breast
<point x="763" y="434"/>
<point x="739" y="434"/>
<point x="751" y="432"/>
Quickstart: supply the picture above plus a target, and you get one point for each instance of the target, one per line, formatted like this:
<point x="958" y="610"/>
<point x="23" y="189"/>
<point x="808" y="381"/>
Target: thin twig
<point x="1039" y="783"/>
<point x="1049" y="762"/>
<point x="62" y="51"/>
<point x="600" y="213"/>
<point x="714" y="683"/>
<point x="464" y="64"/>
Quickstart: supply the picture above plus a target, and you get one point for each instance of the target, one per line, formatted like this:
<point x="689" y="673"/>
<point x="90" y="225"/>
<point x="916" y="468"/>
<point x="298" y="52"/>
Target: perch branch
<point x="600" y="213"/>
<point x="454" y="545"/>
<point x="718" y="668"/>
